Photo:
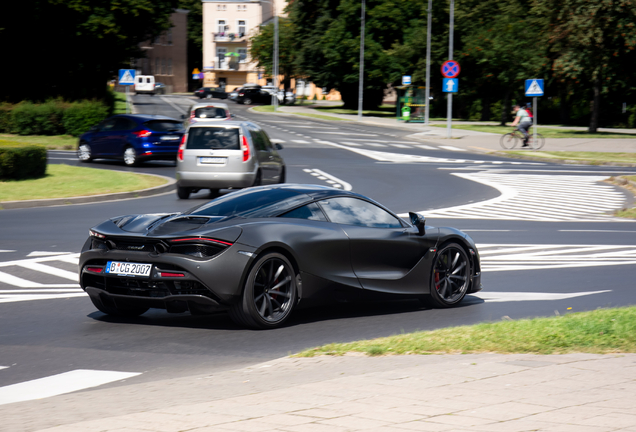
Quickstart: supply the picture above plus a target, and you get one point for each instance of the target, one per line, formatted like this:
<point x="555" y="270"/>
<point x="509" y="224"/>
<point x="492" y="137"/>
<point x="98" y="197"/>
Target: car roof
<point x="222" y="124"/>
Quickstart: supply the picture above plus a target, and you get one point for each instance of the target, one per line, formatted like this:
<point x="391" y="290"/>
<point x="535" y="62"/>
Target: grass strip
<point x="320" y="117"/>
<point x="63" y="181"/>
<point x="546" y="132"/>
<point x="382" y="111"/>
<point x="601" y="331"/>
<point x="629" y="183"/>
<point x="53" y="142"/>
<point x="120" y="103"/>
<point x="589" y="157"/>
<point x="264" y="108"/>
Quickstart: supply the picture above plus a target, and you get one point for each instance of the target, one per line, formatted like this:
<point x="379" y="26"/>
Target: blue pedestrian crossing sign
<point x="126" y="76"/>
<point x="450" y="85"/>
<point x="534" y="87"/>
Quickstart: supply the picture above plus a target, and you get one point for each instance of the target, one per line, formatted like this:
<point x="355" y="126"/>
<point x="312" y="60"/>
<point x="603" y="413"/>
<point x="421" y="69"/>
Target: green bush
<point x="17" y="163"/>
<point x="5" y="116"/>
<point x="80" y="116"/>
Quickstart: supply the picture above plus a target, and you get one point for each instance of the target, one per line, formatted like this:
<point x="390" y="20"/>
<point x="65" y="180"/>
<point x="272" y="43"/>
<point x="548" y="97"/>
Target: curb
<point x="168" y="187"/>
<point x="562" y="161"/>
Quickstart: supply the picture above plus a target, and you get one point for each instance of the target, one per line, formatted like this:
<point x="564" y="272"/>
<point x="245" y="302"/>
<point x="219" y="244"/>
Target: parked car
<point x="250" y="95"/>
<point x="206" y="111"/>
<point x="209" y="92"/>
<point x="160" y="88"/>
<point x="287" y="97"/>
<point x="224" y="155"/>
<point x="132" y="138"/>
<point x="233" y="94"/>
<point x="263" y="252"/>
<point x="145" y="84"/>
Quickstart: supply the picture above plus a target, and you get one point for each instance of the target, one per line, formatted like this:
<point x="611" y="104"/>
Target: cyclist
<point x="523" y="121"/>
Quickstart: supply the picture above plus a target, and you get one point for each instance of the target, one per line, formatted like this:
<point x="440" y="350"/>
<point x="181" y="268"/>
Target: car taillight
<point x="143" y="133"/>
<point x="241" y="94"/>
<point x="246" y="149"/>
<point x="92" y="233"/>
<point x="181" y="148"/>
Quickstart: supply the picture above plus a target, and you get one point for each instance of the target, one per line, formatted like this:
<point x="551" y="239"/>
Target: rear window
<point x="210" y="112"/>
<point x="163" y="125"/>
<point x="251" y="202"/>
<point x="202" y="138"/>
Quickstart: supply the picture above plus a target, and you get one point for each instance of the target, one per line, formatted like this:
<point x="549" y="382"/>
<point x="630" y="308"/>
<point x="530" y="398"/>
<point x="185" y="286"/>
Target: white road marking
<point x="376" y="145"/>
<point x="351" y="143"/>
<point x="51" y="270"/>
<point x="301" y="141"/>
<point x="382" y="141"/>
<point x="508" y="257"/>
<point x="42" y="253"/>
<point x="400" y="145"/>
<point x="335" y="181"/>
<point x="12" y="298"/>
<point x="534" y="197"/>
<point x="274" y="140"/>
<point x="173" y="105"/>
<point x="346" y="133"/>
<point x="498" y="297"/>
<point x="426" y="147"/>
<point x="4" y="250"/>
<point x="451" y="148"/>
<point x="601" y="231"/>
<point x="4" y="367"/>
<point x="60" y="384"/>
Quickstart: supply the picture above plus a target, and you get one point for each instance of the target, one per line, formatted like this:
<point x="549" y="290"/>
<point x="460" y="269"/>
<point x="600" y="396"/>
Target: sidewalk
<point x="482" y="141"/>
<point x="485" y="392"/>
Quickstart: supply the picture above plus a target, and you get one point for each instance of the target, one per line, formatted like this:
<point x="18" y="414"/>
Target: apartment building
<point x="166" y="55"/>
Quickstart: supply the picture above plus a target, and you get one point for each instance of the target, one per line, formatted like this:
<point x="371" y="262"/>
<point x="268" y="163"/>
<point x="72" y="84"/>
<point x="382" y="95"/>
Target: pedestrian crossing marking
<point x="63" y="383"/>
<point x="535" y="197"/>
<point x="509" y="257"/>
<point x="300" y="141"/>
<point x="451" y="148"/>
<point x="42" y="253"/>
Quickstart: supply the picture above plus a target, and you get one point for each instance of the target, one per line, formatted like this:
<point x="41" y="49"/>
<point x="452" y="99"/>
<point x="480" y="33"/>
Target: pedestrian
<point x="523" y="121"/>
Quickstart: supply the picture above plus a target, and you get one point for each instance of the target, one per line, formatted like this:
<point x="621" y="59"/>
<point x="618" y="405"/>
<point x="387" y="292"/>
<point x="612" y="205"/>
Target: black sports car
<point x="260" y="252"/>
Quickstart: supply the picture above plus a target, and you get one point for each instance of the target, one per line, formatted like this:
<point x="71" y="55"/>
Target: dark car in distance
<point x="255" y="94"/>
<point x="210" y="92"/>
<point x="132" y="138"/>
<point x="260" y="252"/>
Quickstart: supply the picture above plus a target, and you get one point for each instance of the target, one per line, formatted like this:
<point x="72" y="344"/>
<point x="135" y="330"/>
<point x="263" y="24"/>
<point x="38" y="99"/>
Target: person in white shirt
<point x="522" y="121"/>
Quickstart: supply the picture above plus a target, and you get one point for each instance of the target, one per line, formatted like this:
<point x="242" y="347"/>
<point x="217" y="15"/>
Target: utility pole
<point x="361" y="79"/>
<point x="449" y="111"/>
<point x="428" y="60"/>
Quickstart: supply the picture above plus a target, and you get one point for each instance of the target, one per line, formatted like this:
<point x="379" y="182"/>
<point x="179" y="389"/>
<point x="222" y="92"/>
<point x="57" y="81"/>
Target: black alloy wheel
<point x="450" y="276"/>
<point x="183" y="192"/>
<point x="247" y="101"/>
<point x="269" y="295"/>
<point x="119" y="309"/>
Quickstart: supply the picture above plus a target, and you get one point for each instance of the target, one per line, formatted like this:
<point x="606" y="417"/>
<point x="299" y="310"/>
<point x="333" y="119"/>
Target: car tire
<point x="119" y="309"/>
<point x="450" y="276"/>
<point x="84" y="152"/>
<point x="269" y="294"/>
<point x="283" y="175"/>
<point x="209" y="96"/>
<point x="183" y="192"/>
<point x="247" y="101"/>
<point x="258" y="180"/>
<point x="130" y="157"/>
<point x="214" y="193"/>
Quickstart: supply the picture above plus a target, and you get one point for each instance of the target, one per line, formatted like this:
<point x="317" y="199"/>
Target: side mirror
<point x="419" y="222"/>
<point x="278" y="146"/>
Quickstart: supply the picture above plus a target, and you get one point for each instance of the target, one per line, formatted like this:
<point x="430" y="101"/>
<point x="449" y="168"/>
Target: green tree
<point x="195" y="35"/>
<point x="71" y="48"/>
<point x="593" y="43"/>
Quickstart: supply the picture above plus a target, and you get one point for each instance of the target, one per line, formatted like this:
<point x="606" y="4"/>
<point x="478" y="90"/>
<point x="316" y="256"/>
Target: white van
<point x="145" y="84"/>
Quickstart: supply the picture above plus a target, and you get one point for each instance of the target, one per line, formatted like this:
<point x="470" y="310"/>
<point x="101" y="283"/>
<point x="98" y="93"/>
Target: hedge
<point x="54" y="117"/>
<point x="17" y="163"/>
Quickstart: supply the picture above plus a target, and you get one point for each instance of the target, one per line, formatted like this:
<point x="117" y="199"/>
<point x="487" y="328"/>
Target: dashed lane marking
<point x="332" y="180"/>
<point x="451" y="148"/>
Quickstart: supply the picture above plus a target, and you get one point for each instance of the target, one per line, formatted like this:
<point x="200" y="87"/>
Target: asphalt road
<point x="547" y="243"/>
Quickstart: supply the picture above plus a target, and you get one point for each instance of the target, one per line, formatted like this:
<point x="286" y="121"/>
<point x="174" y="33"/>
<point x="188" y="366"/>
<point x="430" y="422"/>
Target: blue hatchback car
<point x="132" y="138"/>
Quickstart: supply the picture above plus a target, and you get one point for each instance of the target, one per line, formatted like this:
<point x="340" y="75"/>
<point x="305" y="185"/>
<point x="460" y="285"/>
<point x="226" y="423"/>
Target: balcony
<point x="230" y="37"/>
<point x="230" y="64"/>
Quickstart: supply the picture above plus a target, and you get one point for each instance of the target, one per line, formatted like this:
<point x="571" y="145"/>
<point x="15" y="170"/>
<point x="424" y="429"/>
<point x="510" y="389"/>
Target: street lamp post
<point x="428" y="61"/>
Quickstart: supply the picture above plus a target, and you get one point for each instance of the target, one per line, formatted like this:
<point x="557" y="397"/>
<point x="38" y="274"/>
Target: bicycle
<point x="511" y="139"/>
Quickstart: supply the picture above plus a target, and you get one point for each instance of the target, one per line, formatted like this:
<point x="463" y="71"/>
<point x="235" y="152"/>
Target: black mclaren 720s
<point x="260" y="252"/>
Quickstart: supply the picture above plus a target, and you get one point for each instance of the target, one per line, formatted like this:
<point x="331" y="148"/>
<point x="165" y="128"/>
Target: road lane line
<point x="173" y="105"/>
<point x="60" y="384"/>
<point x="50" y="270"/>
<point x="451" y="148"/>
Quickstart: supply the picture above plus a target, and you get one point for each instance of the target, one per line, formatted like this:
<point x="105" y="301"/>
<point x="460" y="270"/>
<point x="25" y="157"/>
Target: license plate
<point x="170" y="138"/>
<point x="128" y="269"/>
<point x="212" y="160"/>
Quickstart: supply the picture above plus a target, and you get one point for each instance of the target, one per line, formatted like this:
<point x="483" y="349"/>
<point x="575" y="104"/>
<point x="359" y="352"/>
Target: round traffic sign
<point x="450" y="69"/>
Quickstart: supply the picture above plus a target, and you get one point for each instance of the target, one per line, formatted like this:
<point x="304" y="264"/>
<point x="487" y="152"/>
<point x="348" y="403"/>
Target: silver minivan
<point x="226" y="155"/>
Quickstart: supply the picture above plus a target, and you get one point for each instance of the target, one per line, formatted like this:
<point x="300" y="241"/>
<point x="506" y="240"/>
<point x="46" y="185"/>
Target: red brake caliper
<point x="436" y="280"/>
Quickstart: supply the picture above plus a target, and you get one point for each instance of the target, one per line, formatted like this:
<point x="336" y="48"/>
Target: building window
<point x="169" y="66"/>
<point x="220" y="54"/>
<point x="221" y="27"/>
<point x="242" y="54"/>
<point x="242" y="28"/>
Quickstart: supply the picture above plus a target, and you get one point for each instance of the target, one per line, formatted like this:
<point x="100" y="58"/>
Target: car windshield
<point x="202" y="138"/>
<point x="210" y="112"/>
<point x="253" y="202"/>
<point x="164" y="125"/>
